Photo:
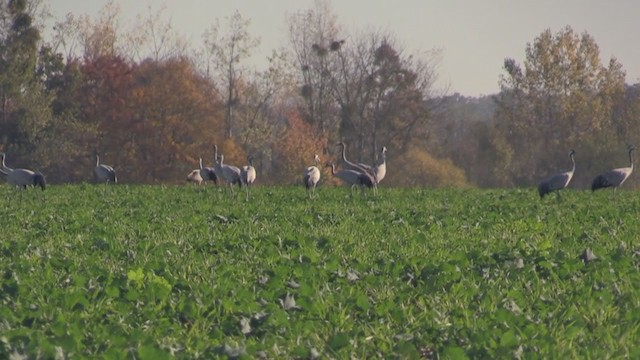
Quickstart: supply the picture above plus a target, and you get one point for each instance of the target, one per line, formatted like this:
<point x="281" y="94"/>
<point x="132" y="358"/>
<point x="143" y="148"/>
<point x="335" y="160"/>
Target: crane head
<point x="38" y="180"/>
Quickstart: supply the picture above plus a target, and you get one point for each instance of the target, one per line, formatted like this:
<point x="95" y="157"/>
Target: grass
<point x="181" y="271"/>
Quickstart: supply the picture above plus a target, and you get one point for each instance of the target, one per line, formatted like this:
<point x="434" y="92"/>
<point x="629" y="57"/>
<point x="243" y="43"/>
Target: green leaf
<point x="508" y="339"/>
<point x="362" y="301"/>
<point x="338" y="341"/>
<point x="136" y="276"/>
<point x="454" y="353"/>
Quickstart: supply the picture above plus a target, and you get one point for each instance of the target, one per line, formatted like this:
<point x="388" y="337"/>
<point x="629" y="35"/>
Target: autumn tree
<point x="296" y="149"/>
<point x="416" y="167"/>
<point x="562" y="97"/>
<point x="172" y="120"/>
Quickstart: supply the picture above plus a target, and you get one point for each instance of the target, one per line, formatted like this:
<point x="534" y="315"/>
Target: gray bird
<point x="312" y="176"/>
<point x="361" y="167"/>
<point x="376" y="172"/>
<point x="559" y="181"/>
<point x="353" y="177"/>
<point x="208" y="173"/>
<point x="230" y="173"/>
<point x="104" y="173"/>
<point x="22" y="177"/>
<point x="614" y="178"/>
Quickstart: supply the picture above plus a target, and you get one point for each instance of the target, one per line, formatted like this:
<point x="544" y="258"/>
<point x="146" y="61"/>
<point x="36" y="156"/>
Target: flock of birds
<point x="612" y="178"/>
<point x="358" y="174"/>
<point x="354" y="174"/>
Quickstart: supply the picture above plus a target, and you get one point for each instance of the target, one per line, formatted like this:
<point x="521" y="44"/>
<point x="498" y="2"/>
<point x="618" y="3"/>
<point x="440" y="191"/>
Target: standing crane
<point x="380" y="170"/>
<point x="248" y="175"/>
<point x="208" y="173"/>
<point x="230" y="173"/>
<point x="377" y="172"/>
<point x="614" y="178"/>
<point x="312" y="176"/>
<point x="353" y="177"/>
<point x="22" y="177"/>
<point x="104" y="173"/>
<point x="559" y="181"/>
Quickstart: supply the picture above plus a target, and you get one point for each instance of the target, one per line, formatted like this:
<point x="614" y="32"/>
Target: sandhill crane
<point x="312" y="176"/>
<point x="353" y="177"/>
<point x="208" y="173"/>
<point x="614" y="178"/>
<point x="558" y="181"/>
<point x="22" y="177"/>
<point x="104" y="173"/>
<point x="230" y="173"/>
<point x="248" y="174"/>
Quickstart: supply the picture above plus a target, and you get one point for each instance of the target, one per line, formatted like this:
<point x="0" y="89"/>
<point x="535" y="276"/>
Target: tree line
<point x="151" y="104"/>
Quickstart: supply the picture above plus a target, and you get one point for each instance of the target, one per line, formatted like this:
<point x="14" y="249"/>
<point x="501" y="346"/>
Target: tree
<point x="383" y="96"/>
<point x="154" y="37"/>
<point x="24" y="101"/>
<point x="227" y="48"/>
<point x="314" y="40"/>
<point x="260" y="115"/>
<point x="297" y="148"/>
<point x="416" y="167"/>
<point x="561" y="98"/>
<point x="169" y="100"/>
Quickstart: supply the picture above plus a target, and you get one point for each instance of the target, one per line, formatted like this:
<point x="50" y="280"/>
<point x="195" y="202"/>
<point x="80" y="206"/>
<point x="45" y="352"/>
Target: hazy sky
<point x="475" y="36"/>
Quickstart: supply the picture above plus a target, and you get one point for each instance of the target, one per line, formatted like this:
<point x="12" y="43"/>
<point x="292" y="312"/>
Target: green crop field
<point x="152" y="272"/>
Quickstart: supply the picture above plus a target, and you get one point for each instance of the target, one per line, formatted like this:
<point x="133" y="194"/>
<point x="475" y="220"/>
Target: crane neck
<point x="573" y="162"/>
<point x="97" y="160"/>
<point x="631" y="158"/>
<point x="200" y="160"/>
<point x="344" y="156"/>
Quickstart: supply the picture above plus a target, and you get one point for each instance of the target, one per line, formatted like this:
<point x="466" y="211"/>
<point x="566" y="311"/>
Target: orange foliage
<point x="233" y="153"/>
<point x="296" y="150"/>
<point x="157" y="118"/>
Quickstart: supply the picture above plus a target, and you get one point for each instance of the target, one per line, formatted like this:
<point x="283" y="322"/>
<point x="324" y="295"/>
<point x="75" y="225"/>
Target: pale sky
<point x="475" y="36"/>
